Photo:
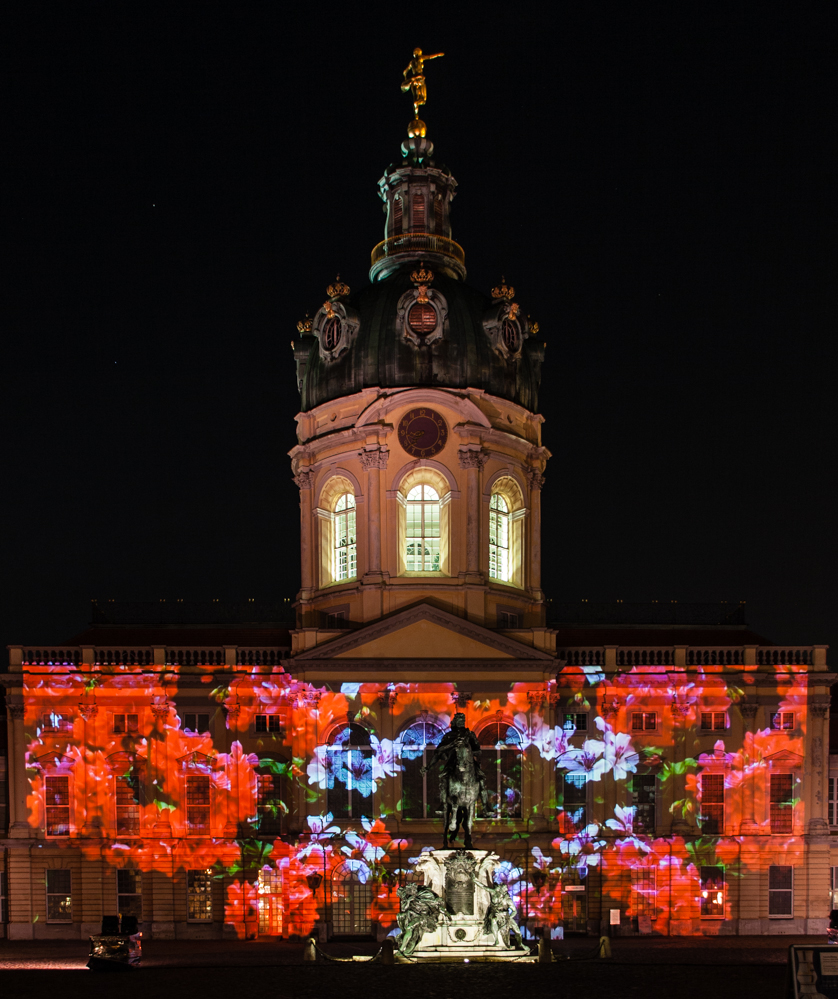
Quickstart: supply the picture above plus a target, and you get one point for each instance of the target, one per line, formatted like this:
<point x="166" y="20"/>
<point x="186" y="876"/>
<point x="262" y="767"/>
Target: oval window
<point x="331" y="333"/>
<point x="510" y="335"/>
<point x="422" y="318"/>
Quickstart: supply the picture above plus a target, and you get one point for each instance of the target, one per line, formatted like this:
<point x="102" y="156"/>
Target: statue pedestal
<point x="464" y="935"/>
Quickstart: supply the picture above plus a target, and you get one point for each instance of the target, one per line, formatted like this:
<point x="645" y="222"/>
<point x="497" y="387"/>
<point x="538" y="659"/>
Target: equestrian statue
<point x="461" y="780"/>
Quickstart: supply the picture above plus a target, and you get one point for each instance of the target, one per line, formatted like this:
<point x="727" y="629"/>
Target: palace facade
<point x="215" y="780"/>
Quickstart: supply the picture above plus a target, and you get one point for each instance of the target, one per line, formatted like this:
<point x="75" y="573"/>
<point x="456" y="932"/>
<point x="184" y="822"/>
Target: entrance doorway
<point x="351" y="900"/>
<point x="269" y="888"/>
<point x="575" y="911"/>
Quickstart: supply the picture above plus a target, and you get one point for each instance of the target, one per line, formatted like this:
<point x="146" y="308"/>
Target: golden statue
<point x="414" y="78"/>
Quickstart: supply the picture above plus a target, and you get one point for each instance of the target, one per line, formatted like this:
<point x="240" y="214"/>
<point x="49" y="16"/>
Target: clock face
<point x="423" y="433"/>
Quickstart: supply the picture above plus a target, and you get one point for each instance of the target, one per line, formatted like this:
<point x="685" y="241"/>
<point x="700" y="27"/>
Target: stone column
<point x="160" y="764"/>
<point x="817" y="724"/>
<point x="92" y="825"/>
<point x="536" y="480"/>
<point x="373" y="460"/>
<point x="749" y="823"/>
<point x="304" y="480"/>
<point x="472" y="460"/>
<point x="19" y="827"/>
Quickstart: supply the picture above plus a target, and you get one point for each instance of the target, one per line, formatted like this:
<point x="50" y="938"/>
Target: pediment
<point x="424" y="633"/>
<point x="786" y="759"/>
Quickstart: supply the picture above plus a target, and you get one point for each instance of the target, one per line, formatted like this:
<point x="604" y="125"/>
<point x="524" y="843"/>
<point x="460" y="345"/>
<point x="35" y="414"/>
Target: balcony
<point x="435" y="250"/>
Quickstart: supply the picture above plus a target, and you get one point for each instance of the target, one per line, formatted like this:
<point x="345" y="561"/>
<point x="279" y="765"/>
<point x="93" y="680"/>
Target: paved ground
<point x="723" y="968"/>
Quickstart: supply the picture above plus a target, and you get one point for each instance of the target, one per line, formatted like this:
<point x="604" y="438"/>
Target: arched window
<point x="422" y="535"/>
<point x="438" y="215"/>
<point x="350" y="784"/>
<point x="500" y="757"/>
<point x="499" y="538"/>
<point x="506" y="532"/>
<point x="397" y="215"/>
<point x="346" y="551"/>
<point x="420" y="793"/>
<point x="351" y="899"/>
<point x="418" y="213"/>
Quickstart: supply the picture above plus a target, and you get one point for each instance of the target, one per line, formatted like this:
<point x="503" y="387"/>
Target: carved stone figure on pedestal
<point x="419" y="913"/>
<point x="499" y="920"/>
<point x="461" y="780"/>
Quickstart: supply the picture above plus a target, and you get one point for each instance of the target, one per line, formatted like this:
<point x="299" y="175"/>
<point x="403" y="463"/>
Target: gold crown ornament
<point x="504" y="291"/>
<point x="533" y="326"/>
<point x="338" y="290"/>
<point x="304" y="325"/>
<point x="422" y="276"/>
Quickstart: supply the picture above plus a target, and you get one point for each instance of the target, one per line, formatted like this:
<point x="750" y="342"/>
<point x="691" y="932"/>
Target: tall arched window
<point x="499" y="538"/>
<point x="438" y="215"/>
<point x="500" y="757"/>
<point x="419" y="224"/>
<point x="346" y="551"/>
<point x="350" y="784"/>
<point x="397" y="215"/>
<point x="506" y="532"/>
<point x="420" y="793"/>
<point x="422" y="552"/>
<point x="351" y="899"/>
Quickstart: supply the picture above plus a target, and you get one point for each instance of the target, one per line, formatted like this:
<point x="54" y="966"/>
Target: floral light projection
<point x="231" y="772"/>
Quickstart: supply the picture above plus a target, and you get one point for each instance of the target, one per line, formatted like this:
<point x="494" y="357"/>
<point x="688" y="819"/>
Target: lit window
<point x="350" y="783"/>
<point x="499" y="564"/>
<point x="270" y="902"/>
<point x="129" y="894"/>
<point x="268" y="723"/>
<point x="195" y="723"/>
<point x="643" y="891"/>
<point x="59" y="882"/>
<point x="199" y="896"/>
<point x="780" y="891"/>
<point x="643" y="792"/>
<point x="573" y="799"/>
<point x="500" y="757"/>
<point x="714" y="721"/>
<point x="712" y="815"/>
<point x="713" y="892"/>
<point x="575" y="721"/>
<point x="346" y="549"/>
<point x="783" y="720"/>
<point x="125" y="724"/>
<point x="643" y="721"/>
<point x="128" y="804"/>
<point x="834" y="880"/>
<point x="57" y="805"/>
<point x="198" y="805"/>
<point x="422" y="530"/>
<point x="420" y="792"/>
<point x="782" y="803"/>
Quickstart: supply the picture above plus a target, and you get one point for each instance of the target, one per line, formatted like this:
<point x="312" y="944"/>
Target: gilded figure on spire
<point x="414" y="78"/>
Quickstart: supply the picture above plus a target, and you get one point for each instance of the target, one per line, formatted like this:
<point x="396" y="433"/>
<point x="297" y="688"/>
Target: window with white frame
<point x="350" y="784"/>
<point x="57" y="805"/>
<point x="713" y="721"/>
<point x="643" y="891"/>
<point x="783" y="720"/>
<point x="832" y="802"/>
<point x="199" y="896"/>
<point x="422" y="540"/>
<point x="420" y="791"/>
<point x="129" y="893"/>
<point x="711" y="818"/>
<point x="500" y="753"/>
<point x="198" y="805"/>
<point x="643" y="799"/>
<point x="345" y="556"/>
<point x="575" y="721"/>
<point x="780" y="891"/>
<point x="712" y="892"/>
<point x="499" y="563"/>
<point x="268" y="723"/>
<point x="572" y="800"/>
<point x="782" y="803"/>
<point x="195" y="723"/>
<point x="644" y="721"/>
<point x="59" y="882"/>
<point x="125" y="724"/>
<point x="834" y="883"/>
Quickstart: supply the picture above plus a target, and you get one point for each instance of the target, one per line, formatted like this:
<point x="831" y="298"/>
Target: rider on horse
<point x="446" y="753"/>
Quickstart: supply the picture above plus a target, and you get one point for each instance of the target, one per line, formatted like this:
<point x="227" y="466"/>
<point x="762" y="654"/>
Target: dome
<point x="418" y="323"/>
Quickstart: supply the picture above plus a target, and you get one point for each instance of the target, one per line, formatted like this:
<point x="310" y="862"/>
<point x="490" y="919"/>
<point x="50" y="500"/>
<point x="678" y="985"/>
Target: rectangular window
<point x="832" y="814"/>
<point x="643" y="891"/>
<point x="129" y="893"/>
<point x="834" y="871"/>
<point x="712" y="815"/>
<point x="780" y="891"/>
<point x="195" y="723"/>
<point x="268" y="723"/>
<point x="199" y="896"/>
<point x="643" y="791"/>
<point x="643" y="721"/>
<point x="125" y="724"/>
<point x="59" y="895"/>
<point x="336" y="620"/>
<point x="269" y="804"/>
<point x="576" y="721"/>
<point x="574" y="790"/>
<point x="508" y="620"/>
<point x="55" y="722"/>
<point x="713" y="892"/>
<point x="782" y="803"/>
<point x="128" y="805"/>
<point x="198" y="805"/>
<point x="57" y="805"/>
<point x="714" y="721"/>
<point x="783" y="720"/>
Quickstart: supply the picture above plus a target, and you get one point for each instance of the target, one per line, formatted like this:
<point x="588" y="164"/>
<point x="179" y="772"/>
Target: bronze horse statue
<point x="461" y="781"/>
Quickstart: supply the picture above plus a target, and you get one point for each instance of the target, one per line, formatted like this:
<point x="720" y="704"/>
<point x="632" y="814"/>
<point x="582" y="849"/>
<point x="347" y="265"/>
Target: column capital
<point x="375" y="457"/>
<point x="470" y="458"/>
<point x="304" y="479"/>
<point x="535" y="479"/>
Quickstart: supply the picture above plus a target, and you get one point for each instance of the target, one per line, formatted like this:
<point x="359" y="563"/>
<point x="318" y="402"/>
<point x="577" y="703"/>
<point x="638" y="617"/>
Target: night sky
<point x="182" y="182"/>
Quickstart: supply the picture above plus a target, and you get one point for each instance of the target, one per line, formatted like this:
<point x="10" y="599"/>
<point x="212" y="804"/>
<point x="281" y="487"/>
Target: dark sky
<point x="182" y="182"/>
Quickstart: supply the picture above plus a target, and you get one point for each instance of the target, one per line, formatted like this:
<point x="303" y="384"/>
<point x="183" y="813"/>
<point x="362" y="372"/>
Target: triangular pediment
<point x="424" y="633"/>
<point x="785" y="759"/>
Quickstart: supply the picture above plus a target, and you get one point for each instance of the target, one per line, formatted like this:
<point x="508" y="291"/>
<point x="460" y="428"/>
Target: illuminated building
<point x="225" y="781"/>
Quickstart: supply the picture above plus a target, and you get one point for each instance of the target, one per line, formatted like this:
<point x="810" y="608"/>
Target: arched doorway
<point x="351" y="900"/>
<point x="269" y="888"/>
